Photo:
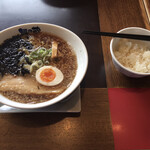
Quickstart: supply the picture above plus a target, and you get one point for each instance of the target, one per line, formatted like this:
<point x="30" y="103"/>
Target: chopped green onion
<point x="39" y="58"/>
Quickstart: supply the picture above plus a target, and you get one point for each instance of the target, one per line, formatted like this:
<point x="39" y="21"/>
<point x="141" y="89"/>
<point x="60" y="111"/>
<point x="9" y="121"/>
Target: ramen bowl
<point x="74" y="41"/>
<point x="119" y="66"/>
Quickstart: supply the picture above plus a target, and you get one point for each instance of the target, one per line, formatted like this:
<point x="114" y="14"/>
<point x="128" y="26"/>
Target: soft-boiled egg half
<point x="49" y="76"/>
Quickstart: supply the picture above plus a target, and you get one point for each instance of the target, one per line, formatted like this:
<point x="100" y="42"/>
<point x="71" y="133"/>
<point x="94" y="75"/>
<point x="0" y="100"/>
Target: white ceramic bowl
<point x="78" y="47"/>
<point x="113" y="45"/>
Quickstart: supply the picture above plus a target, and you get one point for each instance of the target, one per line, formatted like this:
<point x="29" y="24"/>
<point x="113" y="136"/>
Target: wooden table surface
<point x="114" y="17"/>
<point x="91" y="129"/>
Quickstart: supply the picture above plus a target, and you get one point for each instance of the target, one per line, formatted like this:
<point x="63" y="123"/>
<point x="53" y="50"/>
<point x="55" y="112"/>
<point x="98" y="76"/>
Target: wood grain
<point x="113" y="17"/>
<point x="90" y="130"/>
<point x="146" y="4"/>
<point x="144" y="11"/>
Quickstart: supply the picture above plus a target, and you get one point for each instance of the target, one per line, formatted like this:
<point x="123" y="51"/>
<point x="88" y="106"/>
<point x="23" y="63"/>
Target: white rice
<point x="134" y="55"/>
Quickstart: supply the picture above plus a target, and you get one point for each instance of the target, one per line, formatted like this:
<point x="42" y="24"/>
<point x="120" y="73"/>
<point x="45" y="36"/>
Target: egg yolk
<point x="47" y="75"/>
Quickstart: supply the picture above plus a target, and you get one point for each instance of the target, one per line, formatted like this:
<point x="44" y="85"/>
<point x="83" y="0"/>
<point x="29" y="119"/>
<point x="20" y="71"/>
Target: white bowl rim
<point x="112" y="53"/>
<point x="54" y="100"/>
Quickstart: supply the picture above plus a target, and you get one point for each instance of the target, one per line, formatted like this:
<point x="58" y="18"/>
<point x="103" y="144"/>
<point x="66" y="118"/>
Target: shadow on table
<point x="65" y="3"/>
<point x="39" y="119"/>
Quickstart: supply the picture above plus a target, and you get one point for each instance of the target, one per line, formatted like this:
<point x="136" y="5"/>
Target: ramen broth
<point x="24" y="88"/>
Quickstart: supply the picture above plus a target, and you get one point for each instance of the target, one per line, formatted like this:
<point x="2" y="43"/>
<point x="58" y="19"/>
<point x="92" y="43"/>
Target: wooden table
<point x="114" y="17"/>
<point x="91" y="129"/>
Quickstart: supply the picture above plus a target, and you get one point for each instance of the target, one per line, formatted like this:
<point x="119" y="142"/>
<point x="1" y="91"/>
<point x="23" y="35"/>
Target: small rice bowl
<point x="134" y="55"/>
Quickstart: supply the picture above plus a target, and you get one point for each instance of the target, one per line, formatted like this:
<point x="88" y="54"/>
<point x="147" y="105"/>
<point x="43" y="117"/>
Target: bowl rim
<point x="113" y="56"/>
<point x="58" y="98"/>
